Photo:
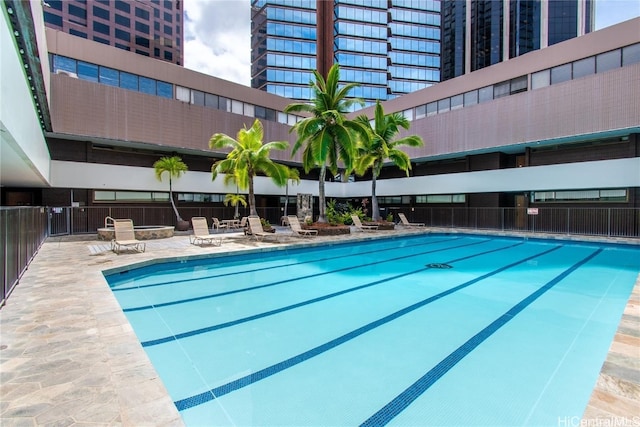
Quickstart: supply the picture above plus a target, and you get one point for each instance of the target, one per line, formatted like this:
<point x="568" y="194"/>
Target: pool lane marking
<point x="214" y="393"/>
<point x="230" y="323"/>
<point x="292" y="279"/>
<point x="411" y="393"/>
<point x="173" y="282"/>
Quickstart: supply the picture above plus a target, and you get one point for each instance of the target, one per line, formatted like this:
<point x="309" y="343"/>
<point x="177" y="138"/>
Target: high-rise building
<point x="388" y="47"/>
<point x="148" y="27"/>
<point x="480" y="33"/>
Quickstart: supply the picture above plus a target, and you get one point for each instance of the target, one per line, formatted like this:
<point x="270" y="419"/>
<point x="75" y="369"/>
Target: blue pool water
<point x="426" y="330"/>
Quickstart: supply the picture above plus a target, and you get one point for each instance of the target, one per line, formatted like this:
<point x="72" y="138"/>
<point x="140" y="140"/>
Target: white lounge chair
<point x="297" y="229"/>
<point x="125" y="237"/>
<point x="217" y="225"/>
<point x="256" y="230"/>
<point x="201" y="232"/>
<point x="360" y="226"/>
<point x="405" y="222"/>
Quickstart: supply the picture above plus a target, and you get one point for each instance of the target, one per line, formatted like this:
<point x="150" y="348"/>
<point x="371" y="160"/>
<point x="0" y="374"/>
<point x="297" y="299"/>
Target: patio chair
<point x="405" y="222"/>
<point x="217" y="225"/>
<point x="297" y="229"/>
<point x="201" y="232"/>
<point x="125" y="237"/>
<point x="358" y="224"/>
<point x="256" y="230"/>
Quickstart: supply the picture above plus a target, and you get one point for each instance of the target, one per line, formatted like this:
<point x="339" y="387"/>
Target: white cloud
<point x="218" y="38"/>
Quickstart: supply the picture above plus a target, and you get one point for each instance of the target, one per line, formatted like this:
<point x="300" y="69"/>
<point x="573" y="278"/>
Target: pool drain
<point x="438" y="265"/>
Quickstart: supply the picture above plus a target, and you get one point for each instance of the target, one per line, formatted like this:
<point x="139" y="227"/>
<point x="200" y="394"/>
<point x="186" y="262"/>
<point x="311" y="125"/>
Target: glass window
<point x="519" y="84"/>
<point x="97" y="11"/>
<point x="183" y="94"/>
<point x="64" y="63"/>
<point x="123" y="6"/>
<point x="224" y="104"/>
<point x="421" y="111"/>
<point x="471" y="98"/>
<point x="608" y="61"/>
<point x="168" y="30"/>
<point x="164" y="89"/>
<point x="168" y="55"/>
<point x="444" y="105"/>
<point x="123" y="35"/>
<point x="282" y="117"/>
<point x="540" y="79"/>
<point x="128" y="81"/>
<point x="143" y="14"/>
<point x="100" y="40"/>
<point x="485" y="94"/>
<point x="197" y="97"/>
<point x="124" y="21"/>
<point x="501" y="89"/>
<point x="236" y="107"/>
<point x="408" y="114"/>
<point x="88" y="71"/>
<point x="584" y="67"/>
<point x="560" y="74"/>
<point x="291" y="119"/>
<point x="109" y="76"/>
<point x="52" y="19"/>
<point x="77" y="33"/>
<point x="147" y="85"/>
<point x="631" y="54"/>
<point x="457" y="102"/>
<point x="271" y="115"/>
<point x="143" y="28"/>
<point x="249" y="110"/>
<point x="432" y="109"/>
<point x="123" y="47"/>
<point x="211" y="100"/>
<point x="99" y="27"/>
<point x="82" y="13"/>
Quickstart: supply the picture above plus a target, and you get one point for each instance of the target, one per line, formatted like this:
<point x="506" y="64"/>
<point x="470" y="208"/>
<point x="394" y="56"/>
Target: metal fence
<point x="22" y="232"/>
<point x="83" y="220"/>
<point x="605" y="222"/>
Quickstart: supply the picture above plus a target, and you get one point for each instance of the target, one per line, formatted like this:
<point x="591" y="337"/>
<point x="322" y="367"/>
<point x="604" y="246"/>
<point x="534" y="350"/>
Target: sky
<point x="218" y="34"/>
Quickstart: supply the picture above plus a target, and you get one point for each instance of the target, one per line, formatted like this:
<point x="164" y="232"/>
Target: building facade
<point x="480" y="33"/>
<point x="147" y="27"/>
<point x="558" y="127"/>
<point x="389" y="48"/>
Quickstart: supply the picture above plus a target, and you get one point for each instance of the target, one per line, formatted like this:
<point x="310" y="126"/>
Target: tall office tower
<point x="147" y="27"/>
<point x="388" y="47"/>
<point x="480" y="33"/>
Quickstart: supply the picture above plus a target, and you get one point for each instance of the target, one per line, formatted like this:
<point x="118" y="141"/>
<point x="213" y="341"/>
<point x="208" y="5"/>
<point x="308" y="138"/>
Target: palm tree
<point x="380" y="146"/>
<point x="248" y="157"/>
<point x="175" y="167"/>
<point x="235" y="200"/>
<point x="327" y="135"/>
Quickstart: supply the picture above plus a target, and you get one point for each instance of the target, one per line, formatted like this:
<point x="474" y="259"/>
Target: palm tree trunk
<point x="321" y="200"/>
<point x="286" y="198"/>
<point x="252" y="199"/>
<point x="173" y="204"/>
<point x="375" y="214"/>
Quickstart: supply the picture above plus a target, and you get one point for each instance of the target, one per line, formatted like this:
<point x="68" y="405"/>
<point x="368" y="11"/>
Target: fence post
<point x="608" y="222"/>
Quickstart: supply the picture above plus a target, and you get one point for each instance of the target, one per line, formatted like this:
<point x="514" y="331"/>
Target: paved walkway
<point x="68" y="356"/>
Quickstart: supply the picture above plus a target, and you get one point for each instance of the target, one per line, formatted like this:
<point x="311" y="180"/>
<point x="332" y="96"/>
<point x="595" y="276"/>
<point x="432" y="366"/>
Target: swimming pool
<point x="426" y="330"/>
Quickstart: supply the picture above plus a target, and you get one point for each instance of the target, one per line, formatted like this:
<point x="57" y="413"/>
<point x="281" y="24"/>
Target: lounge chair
<point x="405" y="222"/>
<point x="217" y="225"/>
<point x="297" y="229"/>
<point x="201" y="232"/>
<point x="125" y="237"/>
<point x="360" y="226"/>
<point x="256" y="230"/>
